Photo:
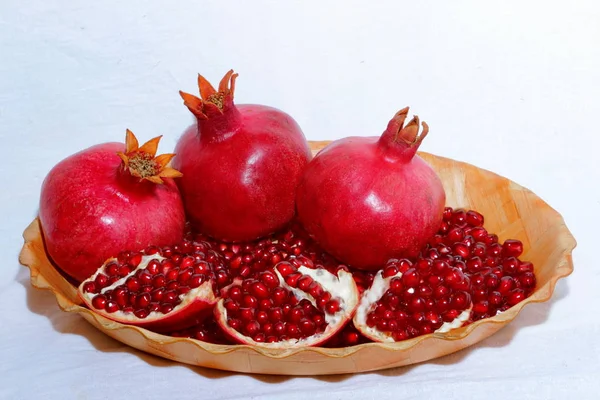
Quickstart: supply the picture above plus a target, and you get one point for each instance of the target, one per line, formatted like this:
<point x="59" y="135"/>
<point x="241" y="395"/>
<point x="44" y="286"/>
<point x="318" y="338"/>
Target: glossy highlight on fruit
<point x="366" y="200"/>
<point x="109" y="198"/>
<point x="241" y="164"/>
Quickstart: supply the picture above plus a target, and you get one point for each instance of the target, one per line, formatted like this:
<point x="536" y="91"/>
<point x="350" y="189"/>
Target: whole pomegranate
<point x="366" y="199"/>
<point x="241" y="164"/>
<point x="108" y="198"/>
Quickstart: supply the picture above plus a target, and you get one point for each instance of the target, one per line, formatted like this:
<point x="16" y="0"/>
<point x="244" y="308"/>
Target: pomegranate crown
<point x="408" y="134"/>
<point x="142" y="162"/>
<point x="211" y="102"/>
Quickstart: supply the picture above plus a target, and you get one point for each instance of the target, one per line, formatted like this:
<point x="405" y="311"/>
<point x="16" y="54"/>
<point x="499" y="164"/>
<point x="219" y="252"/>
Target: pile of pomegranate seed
<point x="499" y="279"/>
<point x="462" y="269"/>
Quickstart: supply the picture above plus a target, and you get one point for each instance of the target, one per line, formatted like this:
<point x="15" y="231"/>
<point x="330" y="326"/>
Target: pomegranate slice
<point x="158" y="292"/>
<point x="288" y="307"/>
<point x="405" y="301"/>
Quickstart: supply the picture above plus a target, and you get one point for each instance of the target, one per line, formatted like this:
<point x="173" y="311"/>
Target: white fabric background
<point x="511" y="86"/>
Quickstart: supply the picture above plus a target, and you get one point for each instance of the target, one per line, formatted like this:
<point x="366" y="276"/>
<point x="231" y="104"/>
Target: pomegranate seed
<point x="150" y="250"/>
<point x="235" y="293"/>
<point x="246" y="314"/>
<point x="474" y="218"/>
<point x="262" y="317"/>
<point x="260" y="290"/>
<point x="89" y="287"/>
<point x="292" y="279"/>
<point x="235" y="323"/>
<point x="269" y="279"/>
<point x="185" y="275"/>
<point x="404" y="265"/>
<point x="251" y="328"/>
<point x="332" y="307"/>
<point x="495" y="299"/>
<point x="135" y="260"/>
<point x="460" y="300"/>
<point x="99" y="301"/>
<point x="249" y="301"/>
<point x="511" y="265"/>
<point x="304" y="283"/>
<point x="141" y="313"/>
<point x="411" y="278"/>
<point x="390" y="270"/>
<point x="461" y="249"/>
<point x="512" y="248"/>
<point x="479" y="294"/>
<point x="455" y="234"/>
<point x="416" y="304"/>
<point x="285" y="268"/>
<point x="170" y="296"/>
<point x="112" y="268"/>
<point x="279" y="328"/>
<point x="515" y="297"/>
<point x="157" y="294"/>
<point x="159" y="281"/>
<point x="425" y="291"/>
<point x="292" y="330"/>
<point x="279" y="296"/>
<point x="506" y="285"/>
<point x="265" y="304"/>
<point x="527" y="280"/>
<point x="153" y="267"/>
<point x="525" y="266"/>
<point x="201" y="267"/>
<point x="101" y="281"/>
<point x="396" y="286"/>
<point x="166" y="308"/>
<point x="442" y="304"/>
<point x="196" y="280"/>
<point x="481" y="307"/>
<point x="111" y="306"/>
<point x="315" y="290"/>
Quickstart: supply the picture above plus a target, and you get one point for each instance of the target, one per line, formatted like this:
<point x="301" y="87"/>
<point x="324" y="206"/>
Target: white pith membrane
<point x="204" y="292"/>
<point x="368" y="302"/>
<point x="341" y="286"/>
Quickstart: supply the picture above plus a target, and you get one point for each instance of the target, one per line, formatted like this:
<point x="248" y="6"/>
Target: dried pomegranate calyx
<point x="142" y="162"/>
<point x="211" y="102"/>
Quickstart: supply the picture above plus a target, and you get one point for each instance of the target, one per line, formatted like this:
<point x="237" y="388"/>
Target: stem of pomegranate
<point x="220" y="127"/>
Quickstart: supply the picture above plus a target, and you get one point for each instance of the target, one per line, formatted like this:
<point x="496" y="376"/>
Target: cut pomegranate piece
<point x="288" y="307"/>
<point x="422" y="299"/>
<point x="158" y="292"/>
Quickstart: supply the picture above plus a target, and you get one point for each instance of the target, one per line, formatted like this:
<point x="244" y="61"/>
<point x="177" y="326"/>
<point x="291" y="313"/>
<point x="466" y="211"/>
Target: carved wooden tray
<point x="511" y="211"/>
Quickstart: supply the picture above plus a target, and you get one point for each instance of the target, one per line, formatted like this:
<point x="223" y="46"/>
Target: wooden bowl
<point x="510" y="210"/>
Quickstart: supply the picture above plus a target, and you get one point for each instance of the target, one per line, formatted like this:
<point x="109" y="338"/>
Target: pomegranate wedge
<point x="152" y="291"/>
<point x="288" y="307"/>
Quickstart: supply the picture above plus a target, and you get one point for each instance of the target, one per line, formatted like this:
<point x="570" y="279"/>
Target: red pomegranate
<point x="366" y="200"/>
<point x="241" y="164"/>
<point x="108" y="198"/>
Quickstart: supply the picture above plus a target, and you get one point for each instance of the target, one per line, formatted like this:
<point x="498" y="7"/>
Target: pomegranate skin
<point x="91" y="209"/>
<point x="241" y="166"/>
<point x="366" y="199"/>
